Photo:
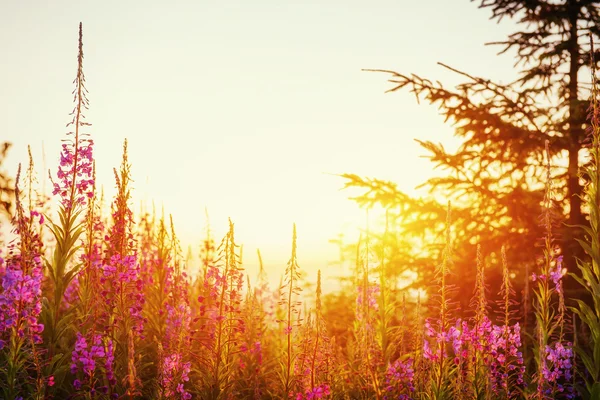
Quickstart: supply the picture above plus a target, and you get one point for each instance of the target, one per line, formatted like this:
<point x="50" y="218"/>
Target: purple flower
<point x="559" y="363"/>
<point x="90" y="358"/>
<point x="21" y="294"/>
<point x="399" y="380"/>
<point x="75" y="173"/>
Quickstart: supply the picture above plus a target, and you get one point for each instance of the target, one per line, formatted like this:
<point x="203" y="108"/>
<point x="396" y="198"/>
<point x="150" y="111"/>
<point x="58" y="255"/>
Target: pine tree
<point x="497" y="173"/>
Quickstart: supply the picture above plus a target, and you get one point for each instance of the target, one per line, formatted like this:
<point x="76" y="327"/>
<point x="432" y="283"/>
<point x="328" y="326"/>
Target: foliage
<point x="496" y="177"/>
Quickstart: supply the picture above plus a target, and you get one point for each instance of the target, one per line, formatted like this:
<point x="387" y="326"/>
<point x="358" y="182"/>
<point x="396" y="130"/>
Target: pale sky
<point x="243" y="107"/>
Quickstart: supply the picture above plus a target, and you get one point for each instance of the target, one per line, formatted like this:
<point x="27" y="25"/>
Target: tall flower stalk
<point x="481" y="322"/>
<point x="20" y="299"/>
<point x="221" y="325"/>
<point x="174" y="357"/>
<point x="553" y="359"/>
<point x="122" y="283"/>
<point x="289" y="292"/>
<point x="315" y="358"/>
<point x="384" y="295"/>
<point x="441" y="330"/>
<point x="366" y="322"/>
<point x="92" y="359"/>
<point x="506" y="361"/>
<point x="74" y="187"/>
<point x="589" y="313"/>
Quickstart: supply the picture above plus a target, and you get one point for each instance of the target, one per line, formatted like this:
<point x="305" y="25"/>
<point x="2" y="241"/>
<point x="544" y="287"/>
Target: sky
<point x="246" y="108"/>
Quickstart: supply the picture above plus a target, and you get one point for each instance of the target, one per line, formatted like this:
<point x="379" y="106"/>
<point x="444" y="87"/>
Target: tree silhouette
<point x="7" y="189"/>
<point x="497" y="175"/>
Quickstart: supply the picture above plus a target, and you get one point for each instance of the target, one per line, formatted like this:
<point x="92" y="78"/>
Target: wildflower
<point x="21" y="294"/>
<point x="75" y="172"/>
<point x="126" y="271"/>
<point x="20" y="300"/>
<point x="371" y="293"/>
<point x="174" y="372"/>
<point x="559" y="367"/>
<point x="428" y="354"/>
<point x="557" y="273"/>
<point x="318" y="392"/>
<point x="399" y="379"/>
<point x="505" y="342"/>
<point x="535" y="277"/>
<point x="87" y="357"/>
<point x="109" y="363"/>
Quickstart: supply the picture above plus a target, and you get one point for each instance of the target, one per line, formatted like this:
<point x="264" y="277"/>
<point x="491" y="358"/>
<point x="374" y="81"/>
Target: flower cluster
<point x="318" y="392"/>
<point x="174" y="370"/>
<point x="222" y="296"/>
<point x="178" y="319"/>
<point x="20" y="298"/>
<point x="451" y="335"/>
<point x="367" y="298"/>
<point x="174" y="373"/>
<point x="506" y="361"/>
<point x="556" y="274"/>
<point x="121" y="279"/>
<point x="497" y="346"/>
<point x="84" y="358"/>
<point x="366" y="322"/>
<point x="91" y="359"/>
<point x="213" y="283"/>
<point x="559" y="368"/>
<point x="75" y="173"/>
<point x="254" y="352"/>
<point x="2" y="260"/>
<point x="399" y="379"/>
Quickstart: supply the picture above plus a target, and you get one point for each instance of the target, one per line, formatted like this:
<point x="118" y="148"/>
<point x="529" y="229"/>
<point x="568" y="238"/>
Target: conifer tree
<point x="497" y="173"/>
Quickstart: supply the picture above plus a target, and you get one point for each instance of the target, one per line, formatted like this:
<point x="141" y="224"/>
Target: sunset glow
<point x="222" y="112"/>
<point x="300" y="200"/>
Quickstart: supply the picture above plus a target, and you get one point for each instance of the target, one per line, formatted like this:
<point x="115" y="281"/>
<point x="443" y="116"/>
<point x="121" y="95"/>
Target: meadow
<point x="98" y="304"/>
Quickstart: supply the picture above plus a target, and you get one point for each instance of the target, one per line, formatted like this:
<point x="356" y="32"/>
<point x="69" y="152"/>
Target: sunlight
<point x="235" y="210"/>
